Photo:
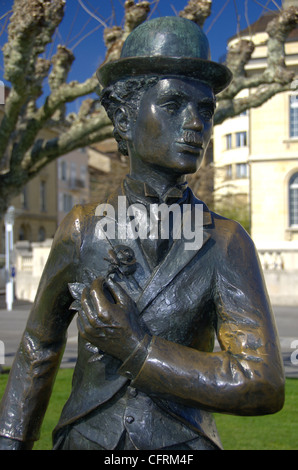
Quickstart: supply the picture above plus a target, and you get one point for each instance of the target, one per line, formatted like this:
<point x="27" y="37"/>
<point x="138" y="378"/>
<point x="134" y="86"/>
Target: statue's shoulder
<point x="231" y="236"/>
<point x="224" y="227"/>
<point x="76" y="222"/>
<point x="82" y="216"/>
<point x="225" y="230"/>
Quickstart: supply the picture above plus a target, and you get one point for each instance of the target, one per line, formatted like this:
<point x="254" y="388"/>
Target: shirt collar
<point x="143" y="192"/>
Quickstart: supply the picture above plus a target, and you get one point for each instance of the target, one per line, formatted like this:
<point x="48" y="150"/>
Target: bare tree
<point x="23" y="152"/>
<point x="275" y="78"/>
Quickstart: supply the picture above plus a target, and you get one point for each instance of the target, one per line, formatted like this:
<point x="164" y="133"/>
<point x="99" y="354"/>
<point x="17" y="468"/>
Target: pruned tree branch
<point x="278" y="31"/>
<point x="197" y="11"/>
<point x="30" y="30"/>
<point x="83" y="132"/>
<point x="274" y="79"/>
<point x="134" y="15"/>
<point x="231" y="108"/>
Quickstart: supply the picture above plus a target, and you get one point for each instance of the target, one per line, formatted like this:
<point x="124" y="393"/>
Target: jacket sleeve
<point x="37" y="360"/>
<point x="246" y="376"/>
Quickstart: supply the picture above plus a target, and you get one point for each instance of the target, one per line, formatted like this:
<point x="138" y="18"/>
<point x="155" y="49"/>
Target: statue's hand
<point x="109" y="319"/>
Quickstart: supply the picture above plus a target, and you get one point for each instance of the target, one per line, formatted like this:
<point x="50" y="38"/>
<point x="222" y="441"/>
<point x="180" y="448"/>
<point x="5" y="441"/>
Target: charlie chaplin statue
<point x="147" y="375"/>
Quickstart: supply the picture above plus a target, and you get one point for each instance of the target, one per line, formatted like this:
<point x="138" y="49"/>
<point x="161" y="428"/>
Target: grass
<point x="273" y="432"/>
<point x="59" y="396"/>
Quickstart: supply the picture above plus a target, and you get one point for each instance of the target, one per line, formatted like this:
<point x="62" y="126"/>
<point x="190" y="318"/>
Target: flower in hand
<point x="109" y="319"/>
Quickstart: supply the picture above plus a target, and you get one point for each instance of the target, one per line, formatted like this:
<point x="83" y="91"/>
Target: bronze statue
<point x="149" y="307"/>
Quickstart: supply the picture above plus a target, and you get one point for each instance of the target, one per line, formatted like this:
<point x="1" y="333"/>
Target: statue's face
<point x="174" y="125"/>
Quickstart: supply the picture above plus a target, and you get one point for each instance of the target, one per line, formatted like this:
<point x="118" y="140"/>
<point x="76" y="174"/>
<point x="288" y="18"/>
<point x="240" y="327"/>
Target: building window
<point x="43" y="206"/>
<point x="229" y="173"/>
<point x="24" y="198"/>
<point x="63" y="171"/>
<point x="228" y="141"/>
<point x="67" y="202"/>
<point x="241" y="139"/>
<point x="241" y="170"/>
<point x="83" y="175"/>
<point x="22" y="233"/>
<point x="293" y="200"/>
<point x="73" y="174"/>
<point x="293" y="116"/>
<point x="41" y="234"/>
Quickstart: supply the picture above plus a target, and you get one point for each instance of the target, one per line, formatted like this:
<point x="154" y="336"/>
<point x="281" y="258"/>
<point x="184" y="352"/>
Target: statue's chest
<point x="182" y="312"/>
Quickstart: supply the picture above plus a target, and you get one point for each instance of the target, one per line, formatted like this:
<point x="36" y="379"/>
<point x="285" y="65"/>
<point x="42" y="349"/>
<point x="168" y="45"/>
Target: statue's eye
<point x="171" y="106"/>
<point x="206" y="113"/>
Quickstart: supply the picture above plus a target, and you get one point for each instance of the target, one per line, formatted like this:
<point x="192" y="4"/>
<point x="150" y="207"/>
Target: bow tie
<point x="144" y="193"/>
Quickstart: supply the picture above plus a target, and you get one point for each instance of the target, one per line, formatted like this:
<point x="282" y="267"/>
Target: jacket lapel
<point x="145" y="284"/>
<point x="176" y="259"/>
<point x="135" y="283"/>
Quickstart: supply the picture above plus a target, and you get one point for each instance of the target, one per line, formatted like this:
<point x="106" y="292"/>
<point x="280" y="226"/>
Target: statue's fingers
<point x="90" y="313"/>
<point x="88" y="319"/>
<point x="86" y="330"/>
<point x="118" y="293"/>
<point x="100" y="297"/>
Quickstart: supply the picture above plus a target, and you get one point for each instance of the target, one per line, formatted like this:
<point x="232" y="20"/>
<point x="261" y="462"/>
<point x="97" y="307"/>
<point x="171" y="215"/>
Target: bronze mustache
<point x="191" y="138"/>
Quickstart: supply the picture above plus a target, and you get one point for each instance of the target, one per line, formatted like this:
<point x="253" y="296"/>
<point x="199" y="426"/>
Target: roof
<point x="260" y="26"/>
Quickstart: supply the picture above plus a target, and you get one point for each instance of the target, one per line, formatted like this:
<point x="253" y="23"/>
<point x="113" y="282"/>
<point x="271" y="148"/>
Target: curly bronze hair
<point x="127" y="92"/>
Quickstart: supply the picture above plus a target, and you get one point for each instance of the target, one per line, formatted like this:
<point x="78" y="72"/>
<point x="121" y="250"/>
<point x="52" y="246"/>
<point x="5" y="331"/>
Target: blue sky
<point x="83" y="33"/>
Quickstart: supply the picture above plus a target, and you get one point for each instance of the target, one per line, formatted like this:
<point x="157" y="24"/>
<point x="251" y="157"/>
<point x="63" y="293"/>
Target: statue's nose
<point x="193" y="120"/>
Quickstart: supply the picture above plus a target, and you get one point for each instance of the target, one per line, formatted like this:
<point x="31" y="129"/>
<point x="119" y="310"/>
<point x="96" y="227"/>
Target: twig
<point x="247" y="18"/>
<point x="72" y="24"/>
<point x="174" y="10"/>
<point x="92" y="14"/>
<point x="5" y="14"/>
<point x="217" y="16"/>
<point x="81" y="30"/>
<point x="5" y="22"/>
<point x="277" y="6"/>
<point x="264" y="7"/>
<point x="113" y="13"/>
<point x="237" y="18"/>
<point x="86" y="35"/>
<point x="153" y="9"/>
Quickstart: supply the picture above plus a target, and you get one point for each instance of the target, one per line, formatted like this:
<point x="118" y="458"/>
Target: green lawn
<point x="273" y="432"/>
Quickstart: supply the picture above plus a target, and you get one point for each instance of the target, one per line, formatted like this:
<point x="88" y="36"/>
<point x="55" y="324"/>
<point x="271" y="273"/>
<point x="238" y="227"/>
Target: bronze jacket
<point x="190" y="297"/>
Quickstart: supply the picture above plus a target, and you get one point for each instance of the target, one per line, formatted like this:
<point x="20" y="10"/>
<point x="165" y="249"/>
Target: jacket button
<point x="129" y="419"/>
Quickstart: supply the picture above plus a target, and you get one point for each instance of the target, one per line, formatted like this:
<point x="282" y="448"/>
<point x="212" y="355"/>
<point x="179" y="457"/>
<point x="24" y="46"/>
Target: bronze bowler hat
<point x="167" y="46"/>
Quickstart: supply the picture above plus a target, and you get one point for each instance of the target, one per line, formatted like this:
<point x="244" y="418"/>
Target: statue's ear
<point x="122" y="122"/>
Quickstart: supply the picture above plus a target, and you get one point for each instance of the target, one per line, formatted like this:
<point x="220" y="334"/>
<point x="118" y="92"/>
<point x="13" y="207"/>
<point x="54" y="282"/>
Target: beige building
<point x="35" y="208"/>
<point x="72" y="181"/>
<point x="231" y="164"/>
<point x="47" y="198"/>
<point x="256" y="163"/>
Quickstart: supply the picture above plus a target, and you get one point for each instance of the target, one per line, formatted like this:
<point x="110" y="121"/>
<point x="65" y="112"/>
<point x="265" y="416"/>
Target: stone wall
<point x="30" y="262"/>
<point x="279" y="262"/>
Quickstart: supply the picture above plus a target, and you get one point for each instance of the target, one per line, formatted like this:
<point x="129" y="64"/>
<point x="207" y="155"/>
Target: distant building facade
<point x="35" y="207"/>
<point x="256" y="164"/>
<point x="72" y="181"/>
